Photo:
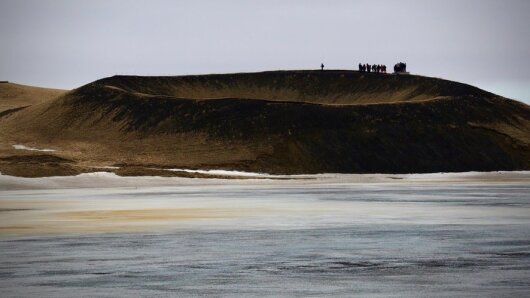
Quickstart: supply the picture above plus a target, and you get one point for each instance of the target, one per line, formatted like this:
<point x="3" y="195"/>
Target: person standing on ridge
<point x="360" y="67"/>
<point x="368" y="67"/>
<point x="321" y="66"/>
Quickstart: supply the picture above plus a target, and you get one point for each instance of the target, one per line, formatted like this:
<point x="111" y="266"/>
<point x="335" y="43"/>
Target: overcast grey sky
<point x="68" y="43"/>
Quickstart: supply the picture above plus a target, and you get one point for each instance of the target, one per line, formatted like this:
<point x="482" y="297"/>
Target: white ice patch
<point x="226" y="173"/>
<point x="22" y="147"/>
<point x="107" y="167"/>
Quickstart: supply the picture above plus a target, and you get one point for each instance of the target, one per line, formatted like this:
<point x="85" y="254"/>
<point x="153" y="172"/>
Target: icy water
<point x="252" y="239"/>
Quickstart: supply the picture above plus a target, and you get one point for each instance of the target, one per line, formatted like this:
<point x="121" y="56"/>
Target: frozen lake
<point x="339" y="235"/>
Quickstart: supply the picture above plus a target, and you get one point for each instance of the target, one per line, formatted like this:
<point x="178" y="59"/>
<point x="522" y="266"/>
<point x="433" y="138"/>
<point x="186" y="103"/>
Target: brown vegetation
<point x="13" y="96"/>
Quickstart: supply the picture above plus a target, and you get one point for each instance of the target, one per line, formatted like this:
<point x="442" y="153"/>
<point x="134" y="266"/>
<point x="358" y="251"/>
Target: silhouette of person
<point x="378" y="68"/>
<point x="373" y="68"/>
<point x="321" y="66"/>
<point x="360" y="67"/>
<point x="368" y="67"/>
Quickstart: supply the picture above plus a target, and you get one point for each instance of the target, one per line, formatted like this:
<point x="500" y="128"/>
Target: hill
<point x="282" y="122"/>
<point x="14" y="96"/>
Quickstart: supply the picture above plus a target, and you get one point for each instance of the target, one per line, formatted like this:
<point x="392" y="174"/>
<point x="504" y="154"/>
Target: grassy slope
<point x="309" y="122"/>
<point x="14" y="96"/>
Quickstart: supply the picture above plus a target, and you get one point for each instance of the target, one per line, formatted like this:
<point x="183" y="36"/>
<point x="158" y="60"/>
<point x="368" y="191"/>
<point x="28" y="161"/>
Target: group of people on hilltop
<point x="377" y="68"/>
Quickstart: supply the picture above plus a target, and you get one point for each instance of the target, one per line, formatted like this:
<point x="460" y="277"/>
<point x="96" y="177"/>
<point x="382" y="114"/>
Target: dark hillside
<point x="328" y="87"/>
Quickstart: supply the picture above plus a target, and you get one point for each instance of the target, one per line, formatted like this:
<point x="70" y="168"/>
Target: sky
<point x="69" y="43"/>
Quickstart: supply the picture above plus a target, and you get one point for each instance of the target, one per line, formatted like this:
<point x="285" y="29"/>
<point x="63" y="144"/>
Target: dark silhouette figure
<point x="400" y="67"/>
<point x="321" y="66"/>
<point x="375" y="68"/>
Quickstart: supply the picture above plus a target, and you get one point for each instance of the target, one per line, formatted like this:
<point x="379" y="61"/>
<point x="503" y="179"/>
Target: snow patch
<point x="226" y="173"/>
<point x="107" y="167"/>
<point x="23" y="147"/>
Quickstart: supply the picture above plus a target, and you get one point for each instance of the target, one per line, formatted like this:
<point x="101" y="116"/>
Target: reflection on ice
<point x="233" y="204"/>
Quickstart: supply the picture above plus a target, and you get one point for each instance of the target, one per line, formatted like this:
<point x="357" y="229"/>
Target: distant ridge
<point x="16" y="95"/>
<point x="278" y="122"/>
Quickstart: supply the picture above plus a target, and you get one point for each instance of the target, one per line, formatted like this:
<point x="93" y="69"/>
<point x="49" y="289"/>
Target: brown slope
<point x="107" y="122"/>
<point x="13" y="96"/>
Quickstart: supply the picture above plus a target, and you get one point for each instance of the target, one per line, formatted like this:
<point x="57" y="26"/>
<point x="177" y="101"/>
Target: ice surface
<point x="98" y="234"/>
<point x="22" y="147"/>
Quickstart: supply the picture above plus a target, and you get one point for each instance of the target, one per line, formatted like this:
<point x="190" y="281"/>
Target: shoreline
<point x="111" y="180"/>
